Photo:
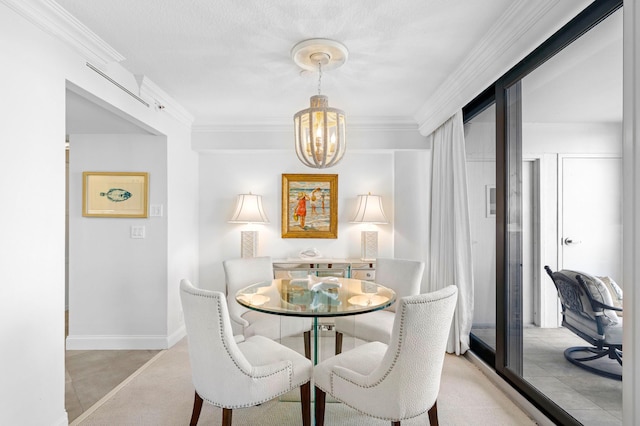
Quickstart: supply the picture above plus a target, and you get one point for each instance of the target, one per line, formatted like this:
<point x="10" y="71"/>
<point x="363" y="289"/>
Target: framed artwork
<point x="115" y="194"/>
<point x="309" y="206"/>
<point x="490" y="200"/>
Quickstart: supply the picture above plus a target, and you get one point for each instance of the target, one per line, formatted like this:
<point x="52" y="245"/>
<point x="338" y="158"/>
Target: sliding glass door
<point x="557" y="161"/>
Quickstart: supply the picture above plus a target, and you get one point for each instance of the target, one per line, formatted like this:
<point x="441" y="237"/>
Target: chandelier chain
<point x="319" y="76"/>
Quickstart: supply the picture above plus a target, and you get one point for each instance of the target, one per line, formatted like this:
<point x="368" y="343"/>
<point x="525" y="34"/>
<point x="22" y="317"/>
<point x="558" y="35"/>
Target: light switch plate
<point x="155" y="210"/>
<point x="137" y="232"/>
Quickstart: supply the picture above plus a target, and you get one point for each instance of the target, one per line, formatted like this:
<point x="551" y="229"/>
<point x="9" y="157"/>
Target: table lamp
<point x="249" y="210"/>
<point x="369" y="212"/>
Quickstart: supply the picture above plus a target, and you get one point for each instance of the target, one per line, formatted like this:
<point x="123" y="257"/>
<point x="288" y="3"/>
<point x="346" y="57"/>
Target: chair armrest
<point x="603" y="306"/>
<point x="235" y="312"/>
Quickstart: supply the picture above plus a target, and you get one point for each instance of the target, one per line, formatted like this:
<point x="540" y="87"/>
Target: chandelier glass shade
<point x="320" y="134"/>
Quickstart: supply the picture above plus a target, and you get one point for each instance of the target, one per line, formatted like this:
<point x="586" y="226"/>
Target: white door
<point x="591" y="216"/>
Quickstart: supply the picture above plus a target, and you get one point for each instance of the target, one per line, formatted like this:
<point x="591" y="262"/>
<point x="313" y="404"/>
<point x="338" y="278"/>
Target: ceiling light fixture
<point x="320" y="130"/>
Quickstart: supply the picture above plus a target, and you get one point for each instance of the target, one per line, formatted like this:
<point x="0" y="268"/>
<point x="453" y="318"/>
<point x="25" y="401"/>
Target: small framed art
<point x="115" y="194"/>
<point x="490" y="200"/>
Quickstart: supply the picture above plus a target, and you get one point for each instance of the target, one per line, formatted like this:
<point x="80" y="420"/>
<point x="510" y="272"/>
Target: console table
<point x="324" y="267"/>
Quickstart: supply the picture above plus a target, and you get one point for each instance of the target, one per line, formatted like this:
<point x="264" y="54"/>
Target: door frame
<point x="539" y="291"/>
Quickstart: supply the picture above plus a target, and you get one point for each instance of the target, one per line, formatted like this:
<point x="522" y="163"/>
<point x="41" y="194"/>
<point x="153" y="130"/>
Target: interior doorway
<point x="91" y="374"/>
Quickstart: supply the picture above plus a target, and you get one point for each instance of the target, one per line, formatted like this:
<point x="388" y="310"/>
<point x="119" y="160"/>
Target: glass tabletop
<point x="316" y="296"/>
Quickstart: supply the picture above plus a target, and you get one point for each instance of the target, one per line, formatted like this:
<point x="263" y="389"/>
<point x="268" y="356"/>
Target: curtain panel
<point x="450" y="261"/>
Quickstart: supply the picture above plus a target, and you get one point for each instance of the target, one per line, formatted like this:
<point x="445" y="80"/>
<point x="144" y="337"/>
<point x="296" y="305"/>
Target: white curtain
<point x="450" y="245"/>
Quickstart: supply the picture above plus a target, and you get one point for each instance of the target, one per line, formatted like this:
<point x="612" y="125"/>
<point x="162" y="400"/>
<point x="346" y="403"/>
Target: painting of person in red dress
<point x="300" y="212"/>
<point x="309" y="206"/>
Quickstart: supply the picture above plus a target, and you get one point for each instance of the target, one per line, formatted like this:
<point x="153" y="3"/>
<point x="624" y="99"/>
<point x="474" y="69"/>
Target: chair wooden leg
<point x="338" y="342"/>
<point x="226" y="416"/>
<point x="305" y="398"/>
<point x="307" y="344"/>
<point x="433" y="414"/>
<point x="319" y="409"/>
<point x="197" y="407"/>
<point x="395" y="423"/>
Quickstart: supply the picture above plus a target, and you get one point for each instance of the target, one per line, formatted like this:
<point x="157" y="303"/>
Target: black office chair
<point x="588" y="311"/>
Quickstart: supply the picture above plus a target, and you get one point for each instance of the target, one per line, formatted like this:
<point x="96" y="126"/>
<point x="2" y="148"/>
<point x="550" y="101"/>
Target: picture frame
<point x="115" y="194"/>
<point x="309" y="206"/>
<point x="490" y="200"/>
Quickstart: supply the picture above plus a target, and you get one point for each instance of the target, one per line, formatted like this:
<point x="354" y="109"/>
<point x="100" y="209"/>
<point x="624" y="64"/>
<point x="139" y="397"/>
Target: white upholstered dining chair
<point x="242" y="272"/>
<point x="232" y="372"/>
<point x="398" y="381"/>
<point x="402" y="276"/>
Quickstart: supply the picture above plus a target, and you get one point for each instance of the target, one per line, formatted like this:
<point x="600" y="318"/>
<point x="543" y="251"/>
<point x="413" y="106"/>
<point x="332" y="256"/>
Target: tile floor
<point x="591" y="399"/>
<point x="90" y="375"/>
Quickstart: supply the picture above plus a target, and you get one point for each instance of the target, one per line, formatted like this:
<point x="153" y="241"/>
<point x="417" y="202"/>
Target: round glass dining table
<point x="316" y="297"/>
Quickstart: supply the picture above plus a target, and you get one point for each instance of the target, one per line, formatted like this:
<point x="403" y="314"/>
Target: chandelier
<point x="319" y="130"/>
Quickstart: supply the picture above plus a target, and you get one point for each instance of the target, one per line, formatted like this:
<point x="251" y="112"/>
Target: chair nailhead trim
<point x="288" y="368"/>
<point x="393" y="363"/>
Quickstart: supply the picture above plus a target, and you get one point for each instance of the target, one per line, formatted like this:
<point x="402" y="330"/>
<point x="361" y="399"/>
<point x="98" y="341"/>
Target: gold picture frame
<point x="115" y="194"/>
<point x="309" y="206"/>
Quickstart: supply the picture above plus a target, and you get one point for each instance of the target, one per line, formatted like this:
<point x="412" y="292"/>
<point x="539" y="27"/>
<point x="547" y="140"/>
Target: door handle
<point x="571" y="242"/>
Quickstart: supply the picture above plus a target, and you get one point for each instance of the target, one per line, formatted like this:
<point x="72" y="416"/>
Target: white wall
<point x="36" y="70"/>
<point x="117" y="285"/>
<point x="566" y="138"/>
<point x="412" y="199"/>
<point x="224" y="175"/>
<point x="32" y="227"/>
<point x="391" y="162"/>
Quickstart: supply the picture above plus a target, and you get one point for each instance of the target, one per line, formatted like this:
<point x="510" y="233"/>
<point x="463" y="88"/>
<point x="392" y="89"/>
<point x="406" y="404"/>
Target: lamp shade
<point x="370" y="210"/>
<point x="249" y="210"/>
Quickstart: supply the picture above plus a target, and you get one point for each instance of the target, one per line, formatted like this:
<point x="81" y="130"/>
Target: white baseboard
<point x="176" y="336"/>
<point x="62" y="421"/>
<point x="116" y="342"/>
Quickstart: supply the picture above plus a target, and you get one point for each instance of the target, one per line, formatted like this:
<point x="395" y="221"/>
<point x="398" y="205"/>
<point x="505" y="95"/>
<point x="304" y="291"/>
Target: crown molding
<point x="52" y="18"/>
<point x="487" y="61"/>
<point x="386" y="123"/>
<point x="162" y="101"/>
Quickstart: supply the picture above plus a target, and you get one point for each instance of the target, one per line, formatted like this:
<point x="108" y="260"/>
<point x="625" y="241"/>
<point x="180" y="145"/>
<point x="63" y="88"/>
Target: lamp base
<point x="249" y="243"/>
<point x="369" y="244"/>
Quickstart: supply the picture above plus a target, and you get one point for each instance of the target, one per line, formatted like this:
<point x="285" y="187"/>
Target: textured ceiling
<point x="228" y="61"/>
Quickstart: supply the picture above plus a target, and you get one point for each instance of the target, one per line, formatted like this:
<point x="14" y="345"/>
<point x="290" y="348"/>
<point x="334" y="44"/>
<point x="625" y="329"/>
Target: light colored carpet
<point x="161" y="393"/>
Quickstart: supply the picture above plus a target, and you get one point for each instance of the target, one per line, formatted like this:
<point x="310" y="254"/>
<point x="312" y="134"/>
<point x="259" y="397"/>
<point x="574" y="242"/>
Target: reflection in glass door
<point x="480" y="146"/>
